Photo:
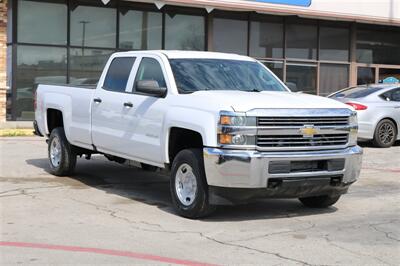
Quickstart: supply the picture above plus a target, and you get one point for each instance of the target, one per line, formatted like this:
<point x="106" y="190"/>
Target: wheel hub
<point x="386" y="133"/>
<point x="185" y="184"/>
<point x="55" y="152"/>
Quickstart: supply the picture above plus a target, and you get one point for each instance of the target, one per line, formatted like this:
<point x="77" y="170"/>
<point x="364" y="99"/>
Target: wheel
<point x="189" y="189"/>
<point x="385" y="134"/>
<point x="148" y="167"/>
<point x="320" y="201"/>
<point x="62" y="157"/>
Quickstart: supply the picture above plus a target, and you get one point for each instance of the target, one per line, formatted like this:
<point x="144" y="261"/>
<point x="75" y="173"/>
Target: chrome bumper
<point x="249" y="169"/>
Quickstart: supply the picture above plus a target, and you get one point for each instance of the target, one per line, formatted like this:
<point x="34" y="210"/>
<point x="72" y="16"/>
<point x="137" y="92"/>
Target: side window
<point x="118" y="74"/>
<point x="392" y="95"/>
<point x="150" y="69"/>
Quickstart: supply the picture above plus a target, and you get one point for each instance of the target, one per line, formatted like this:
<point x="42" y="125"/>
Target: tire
<point x="62" y="157"/>
<point x="148" y="167"/>
<point x="190" y="197"/>
<point x="320" y="201"/>
<point x="385" y="134"/>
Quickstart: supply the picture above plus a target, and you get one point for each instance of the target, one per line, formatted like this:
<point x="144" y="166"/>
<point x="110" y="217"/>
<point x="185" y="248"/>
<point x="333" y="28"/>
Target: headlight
<point x="353" y="129"/>
<point x="236" y="129"/>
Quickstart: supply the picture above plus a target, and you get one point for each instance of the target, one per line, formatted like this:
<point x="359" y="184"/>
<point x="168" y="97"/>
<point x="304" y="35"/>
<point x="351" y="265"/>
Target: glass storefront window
<point x="93" y="26"/>
<point x="275" y="66"/>
<point x="266" y="39"/>
<point x="302" y="77"/>
<point x="42" y="22"/>
<point x="86" y="65"/>
<point x="230" y="36"/>
<point x="378" y="46"/>
<point x="365" y="75"/>
<point x="44" y="65"/>
<point x="184" y="32"/>
<point x="333" y="77"/>
<point x="140" y="30"/>
<point x="301" y="41"/>
<point x="388" y="73"/>
<point x="334" y="43"/>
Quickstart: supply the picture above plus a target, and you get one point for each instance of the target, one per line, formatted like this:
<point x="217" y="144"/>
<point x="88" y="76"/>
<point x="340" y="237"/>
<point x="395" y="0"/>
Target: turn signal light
<point x="357" y="106"/>
<point x="225" y="139"/>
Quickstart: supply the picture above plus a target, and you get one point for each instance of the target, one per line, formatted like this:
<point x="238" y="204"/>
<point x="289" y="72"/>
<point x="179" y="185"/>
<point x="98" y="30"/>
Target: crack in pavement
<point x="24" y="192"/>
<point x="330" y="242"/>
<point x="387" y="234"/>
<point x="113" y="213"/>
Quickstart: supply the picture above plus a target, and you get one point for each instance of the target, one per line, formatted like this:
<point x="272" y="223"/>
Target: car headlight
<point x="353" y="122"/>
<point x="237" y="129"/>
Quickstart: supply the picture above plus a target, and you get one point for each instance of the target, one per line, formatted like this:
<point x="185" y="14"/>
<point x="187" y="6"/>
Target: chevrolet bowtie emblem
<point x="308" y="131"/>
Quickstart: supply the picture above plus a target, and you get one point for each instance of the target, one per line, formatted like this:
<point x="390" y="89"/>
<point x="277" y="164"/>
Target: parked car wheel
<point x="385" y="134"/>
<point x="189" y="189"/>
<point x="62" y="156"/>
<point x="320" y="201"/>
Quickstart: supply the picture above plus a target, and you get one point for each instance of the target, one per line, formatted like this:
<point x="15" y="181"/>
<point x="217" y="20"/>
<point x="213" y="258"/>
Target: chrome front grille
<point x="285" y="121"/>
<point x="300" y="141"/>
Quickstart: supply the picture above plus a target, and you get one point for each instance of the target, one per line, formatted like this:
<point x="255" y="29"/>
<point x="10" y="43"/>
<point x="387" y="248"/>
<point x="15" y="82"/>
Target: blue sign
<point x="286" y="2"/>
<point x="391" y="80"/>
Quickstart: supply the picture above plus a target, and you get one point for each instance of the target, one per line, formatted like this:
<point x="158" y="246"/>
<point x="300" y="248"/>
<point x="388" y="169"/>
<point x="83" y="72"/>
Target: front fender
<point x="203" y="122"/>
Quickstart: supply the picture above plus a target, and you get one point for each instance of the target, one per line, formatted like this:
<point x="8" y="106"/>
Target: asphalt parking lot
<point x="117" y="214"/>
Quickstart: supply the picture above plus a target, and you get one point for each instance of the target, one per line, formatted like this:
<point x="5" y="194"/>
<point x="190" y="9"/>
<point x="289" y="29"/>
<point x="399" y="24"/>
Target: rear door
<point x="392" y="98"/>
<point x="108" y="127"/>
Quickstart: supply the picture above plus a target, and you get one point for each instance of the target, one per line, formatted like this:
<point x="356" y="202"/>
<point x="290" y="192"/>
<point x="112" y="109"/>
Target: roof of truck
<point x="175" y="54"/>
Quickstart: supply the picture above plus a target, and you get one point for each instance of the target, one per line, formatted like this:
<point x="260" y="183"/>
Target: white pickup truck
<point x="224" y="126"/>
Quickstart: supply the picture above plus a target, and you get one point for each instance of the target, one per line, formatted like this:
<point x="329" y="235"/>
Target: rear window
<point x="357" y="92"/>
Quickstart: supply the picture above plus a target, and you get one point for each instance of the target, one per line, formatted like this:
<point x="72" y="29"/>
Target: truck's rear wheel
<point x="320" y="201"/>
<point x="189" y="189"/>
<point x="62" y="157"/>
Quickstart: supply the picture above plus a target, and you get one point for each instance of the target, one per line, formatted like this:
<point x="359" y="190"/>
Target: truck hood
<point x="241" y="101"/>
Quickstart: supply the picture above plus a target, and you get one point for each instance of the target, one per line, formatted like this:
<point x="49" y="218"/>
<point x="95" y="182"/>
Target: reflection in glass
<point x="333" y="77"/>
<point x="42" y="22"/>
<point x="86" y="65"/>
<point x="266" y="39"/>
<point x="230" y="36"/>
<point x="301" y="41"/>
<point x="334" y="44"/>
<point x="365" y="75"/>
<point x="302" y="78"/>
<point x="93" y="26"/>
<point x="275" y="67"/>
<point x="44" y="65"/>
<point x="184" y="32"/>
<point x="385" y="73"/>
<point x="140" y="30"/>
<point x="380" y="46"/>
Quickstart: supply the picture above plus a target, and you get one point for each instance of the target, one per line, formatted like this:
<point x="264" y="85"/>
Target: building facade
<point x="314" y="47"/>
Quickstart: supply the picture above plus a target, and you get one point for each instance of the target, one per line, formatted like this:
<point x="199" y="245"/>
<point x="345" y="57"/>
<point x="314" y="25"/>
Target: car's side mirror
<point x="150" y="87"/>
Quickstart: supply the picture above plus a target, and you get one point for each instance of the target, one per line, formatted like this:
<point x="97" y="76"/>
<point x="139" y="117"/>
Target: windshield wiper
<point x="254" y="90"/>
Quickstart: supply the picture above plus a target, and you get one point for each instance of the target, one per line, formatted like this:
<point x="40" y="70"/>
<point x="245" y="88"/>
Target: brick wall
<point x="3" y="60"/>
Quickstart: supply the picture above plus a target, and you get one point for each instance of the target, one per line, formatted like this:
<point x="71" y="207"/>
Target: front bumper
<point x="244" y="169"/>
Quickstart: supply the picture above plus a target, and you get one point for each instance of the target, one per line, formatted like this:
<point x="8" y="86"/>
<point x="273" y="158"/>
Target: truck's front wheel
<point x="189" y="189"/>
<point x="62" y="157"/>
<point x="320" y="201"/>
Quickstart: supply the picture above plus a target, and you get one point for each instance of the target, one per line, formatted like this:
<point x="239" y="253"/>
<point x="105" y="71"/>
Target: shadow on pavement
<point x="152" y="188"/>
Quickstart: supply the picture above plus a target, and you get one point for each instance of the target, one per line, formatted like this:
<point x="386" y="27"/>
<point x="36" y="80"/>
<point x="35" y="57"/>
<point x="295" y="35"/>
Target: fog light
<point x="238" y="140"/>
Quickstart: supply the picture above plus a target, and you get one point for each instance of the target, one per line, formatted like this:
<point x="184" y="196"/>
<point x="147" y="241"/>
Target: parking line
<point x="111" y="252"/>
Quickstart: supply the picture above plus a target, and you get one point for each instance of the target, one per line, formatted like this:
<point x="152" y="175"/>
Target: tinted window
<point x="42" y="22"/>
<point x="150" y="69"/>
<point x="230" y="36"/>
<point x="217" y="74"/>
<point x="266" y="39"/>
<point x="118" y="74"/>
<point x="393" y="95"/>
<point x="357" y="92"/>
<point x="301" y="41"/>
<point x="333" y="77"/>
<point x="93" y="26"/>
<point x="184" y="32"/>
<point x="334" y="43"/>
<point x="301" y="77"/>
<point x="140" y="30"/>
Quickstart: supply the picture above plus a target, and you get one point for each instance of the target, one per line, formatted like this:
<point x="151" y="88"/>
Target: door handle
<point x="128" y="104"/>
<point x="97" y="100"/>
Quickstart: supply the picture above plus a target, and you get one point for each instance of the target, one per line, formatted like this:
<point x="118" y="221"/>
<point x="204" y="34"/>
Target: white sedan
<point x="378" y="108"/>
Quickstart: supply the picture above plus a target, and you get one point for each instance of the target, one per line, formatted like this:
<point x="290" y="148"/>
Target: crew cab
<point x="224" y="127"/>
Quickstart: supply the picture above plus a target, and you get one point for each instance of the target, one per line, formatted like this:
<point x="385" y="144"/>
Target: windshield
<point x="356" y="92"/>
<point x="220" y="74"/>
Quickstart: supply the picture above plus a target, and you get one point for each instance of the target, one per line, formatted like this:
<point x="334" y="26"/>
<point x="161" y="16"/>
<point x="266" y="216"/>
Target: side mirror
<point x="150" y="87"/>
